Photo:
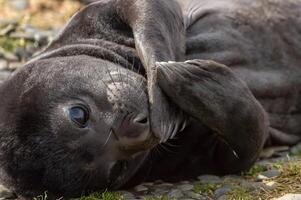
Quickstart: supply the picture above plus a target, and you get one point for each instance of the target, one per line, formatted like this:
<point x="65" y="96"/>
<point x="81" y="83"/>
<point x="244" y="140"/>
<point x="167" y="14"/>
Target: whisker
<point x="167" y="149"/>
<point x="108" y="138"/>
<point x="110" y="90"/>
<point x="111" y="78"/>
<point x="115" y="135"/>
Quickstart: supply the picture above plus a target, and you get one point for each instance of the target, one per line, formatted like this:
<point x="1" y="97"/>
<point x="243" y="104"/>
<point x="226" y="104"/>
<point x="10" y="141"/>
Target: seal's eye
<point x="79" y="114"/>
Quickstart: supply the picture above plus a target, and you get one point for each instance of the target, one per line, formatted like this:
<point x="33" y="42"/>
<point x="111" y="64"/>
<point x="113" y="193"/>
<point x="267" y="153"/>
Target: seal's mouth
<point x="132" y="150"/>
<point x="123" y="170"/>
<point x="118" y="168"/>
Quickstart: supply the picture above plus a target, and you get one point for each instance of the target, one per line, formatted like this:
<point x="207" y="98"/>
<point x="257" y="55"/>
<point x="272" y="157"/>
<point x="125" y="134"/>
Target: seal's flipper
<point x="159" y="34"/>
<point x="211" y="92"/>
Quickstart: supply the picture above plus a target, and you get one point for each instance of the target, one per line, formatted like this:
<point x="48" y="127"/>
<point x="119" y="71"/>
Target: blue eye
<point x="79" y="114"/>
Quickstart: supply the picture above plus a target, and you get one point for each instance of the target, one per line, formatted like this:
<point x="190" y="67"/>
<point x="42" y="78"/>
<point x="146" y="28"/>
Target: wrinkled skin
<point x="216" y="116"/>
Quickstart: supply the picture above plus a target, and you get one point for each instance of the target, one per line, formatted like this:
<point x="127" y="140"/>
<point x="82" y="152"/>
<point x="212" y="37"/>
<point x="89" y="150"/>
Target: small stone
<point x="235" y="177"/>
<point x="209" y="179"/>
<point x="223" y="190"/>
<point x="274" y="151"/>
<point x="192" y="195"/>
<point x="252" y="185"/>
<point x="8" y="29"/>
<point x="19" y="4"/>
<point x="187" y="199"/>
<point x="4" y="75"/>
<point x="296" y="150"/>
<point x="223" y="197"/>
<point x="140" y="188"/>
<point x="8" y="56"/>
<point x="160" y="191"/>
<point x="185" y="187"/>
<point x="14" y="65"/>
<point x="270" y="185"/>
<point x="6" y="194"/>
<point x="232" y="179"/>
<point x="269" y="174"/>
<point x="148" y="184"/>
<point x="290" y="197"/>
<point x="175" y="194"/>
<point x="165" y="185"/>
<point x="265" y="163"/>
<point x="127" y="195"/>
<point x="3" y="64"/>
<point x="184" y="182"/>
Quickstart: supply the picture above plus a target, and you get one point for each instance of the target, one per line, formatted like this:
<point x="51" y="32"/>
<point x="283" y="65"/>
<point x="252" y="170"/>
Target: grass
<point x="42" y="196"/>
<point x="10" y="44"/>
<point x="239" y="193"/>
<point x="159" y="198"/>
<point x="288" y="182"/>
<point x="255" y="170"/>
<point x="102" y="196"/>
<point x="41" y="13"/>
<point x="208" y="188"/>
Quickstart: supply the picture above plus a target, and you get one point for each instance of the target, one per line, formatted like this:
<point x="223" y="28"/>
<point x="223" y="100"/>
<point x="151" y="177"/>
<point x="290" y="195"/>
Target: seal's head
<point x="77" y="117"/>
<point x="73" y="123"/>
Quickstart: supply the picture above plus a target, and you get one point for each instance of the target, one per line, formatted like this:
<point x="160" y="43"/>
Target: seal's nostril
<point x="141" y="119"/>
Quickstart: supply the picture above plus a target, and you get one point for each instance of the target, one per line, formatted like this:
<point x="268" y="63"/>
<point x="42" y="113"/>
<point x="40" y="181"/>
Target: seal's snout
<point x="134" y="126"/>
<point x="134" y="134"/>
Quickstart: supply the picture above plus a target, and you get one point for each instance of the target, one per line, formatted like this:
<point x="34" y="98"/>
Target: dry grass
<point x="41" y="13"/>
<point x="288" y="182"/>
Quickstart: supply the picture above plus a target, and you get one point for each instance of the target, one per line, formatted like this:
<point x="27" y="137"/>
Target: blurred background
<point x="27" y="26"/>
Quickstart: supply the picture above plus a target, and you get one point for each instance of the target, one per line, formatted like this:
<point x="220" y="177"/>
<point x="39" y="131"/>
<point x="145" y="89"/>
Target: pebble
<point x="296" y="149"/>
<point x="175" y="193"/>
<point x="187" y="199"/>
<point x="14" y="65"/>
<point x="252" y="185"/>
<point x="140" y="188"/>
<point x="4" y="75"/>
<point x="223" y="190"/>
<point x="271" y="151"/>
<point x="209" y="179"/>
<point x="127" y="195"/>
<point x="185" y="187"/>
<point x="271" y="185"/>
<point x="8" y="56"/>
<point x="192" y="194"/>
<point x="223" y="197"/>
<point x="290" y="197"/>
<point x="269" y="174"/>
<point x="3" y="64"/>
<point x="19" y="4"/>
<point x="165" y="185"/>
<point x="5" y="193"/>
<point x="148" y="184"/>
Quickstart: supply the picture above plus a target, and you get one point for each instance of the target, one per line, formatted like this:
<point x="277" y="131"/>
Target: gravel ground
<point x="19" y="42"/>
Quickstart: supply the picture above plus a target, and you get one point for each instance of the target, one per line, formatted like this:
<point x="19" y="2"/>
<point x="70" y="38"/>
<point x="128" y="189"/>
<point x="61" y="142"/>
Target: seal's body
<point x="87" y="112"/>
<point x="260" y="41"/>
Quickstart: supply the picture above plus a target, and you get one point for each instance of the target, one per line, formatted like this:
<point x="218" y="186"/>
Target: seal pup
<point x="86" y="113"/>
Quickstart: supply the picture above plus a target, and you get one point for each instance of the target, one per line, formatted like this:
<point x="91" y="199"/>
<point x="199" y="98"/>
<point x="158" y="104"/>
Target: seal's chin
<point x="122" y="170"/>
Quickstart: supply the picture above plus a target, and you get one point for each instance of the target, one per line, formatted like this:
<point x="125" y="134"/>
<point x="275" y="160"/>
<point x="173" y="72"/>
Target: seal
<point x="90" y="111"/>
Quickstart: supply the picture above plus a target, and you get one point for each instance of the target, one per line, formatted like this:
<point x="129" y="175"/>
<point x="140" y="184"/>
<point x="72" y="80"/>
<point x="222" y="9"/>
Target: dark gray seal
<point x="89" y="112"/>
